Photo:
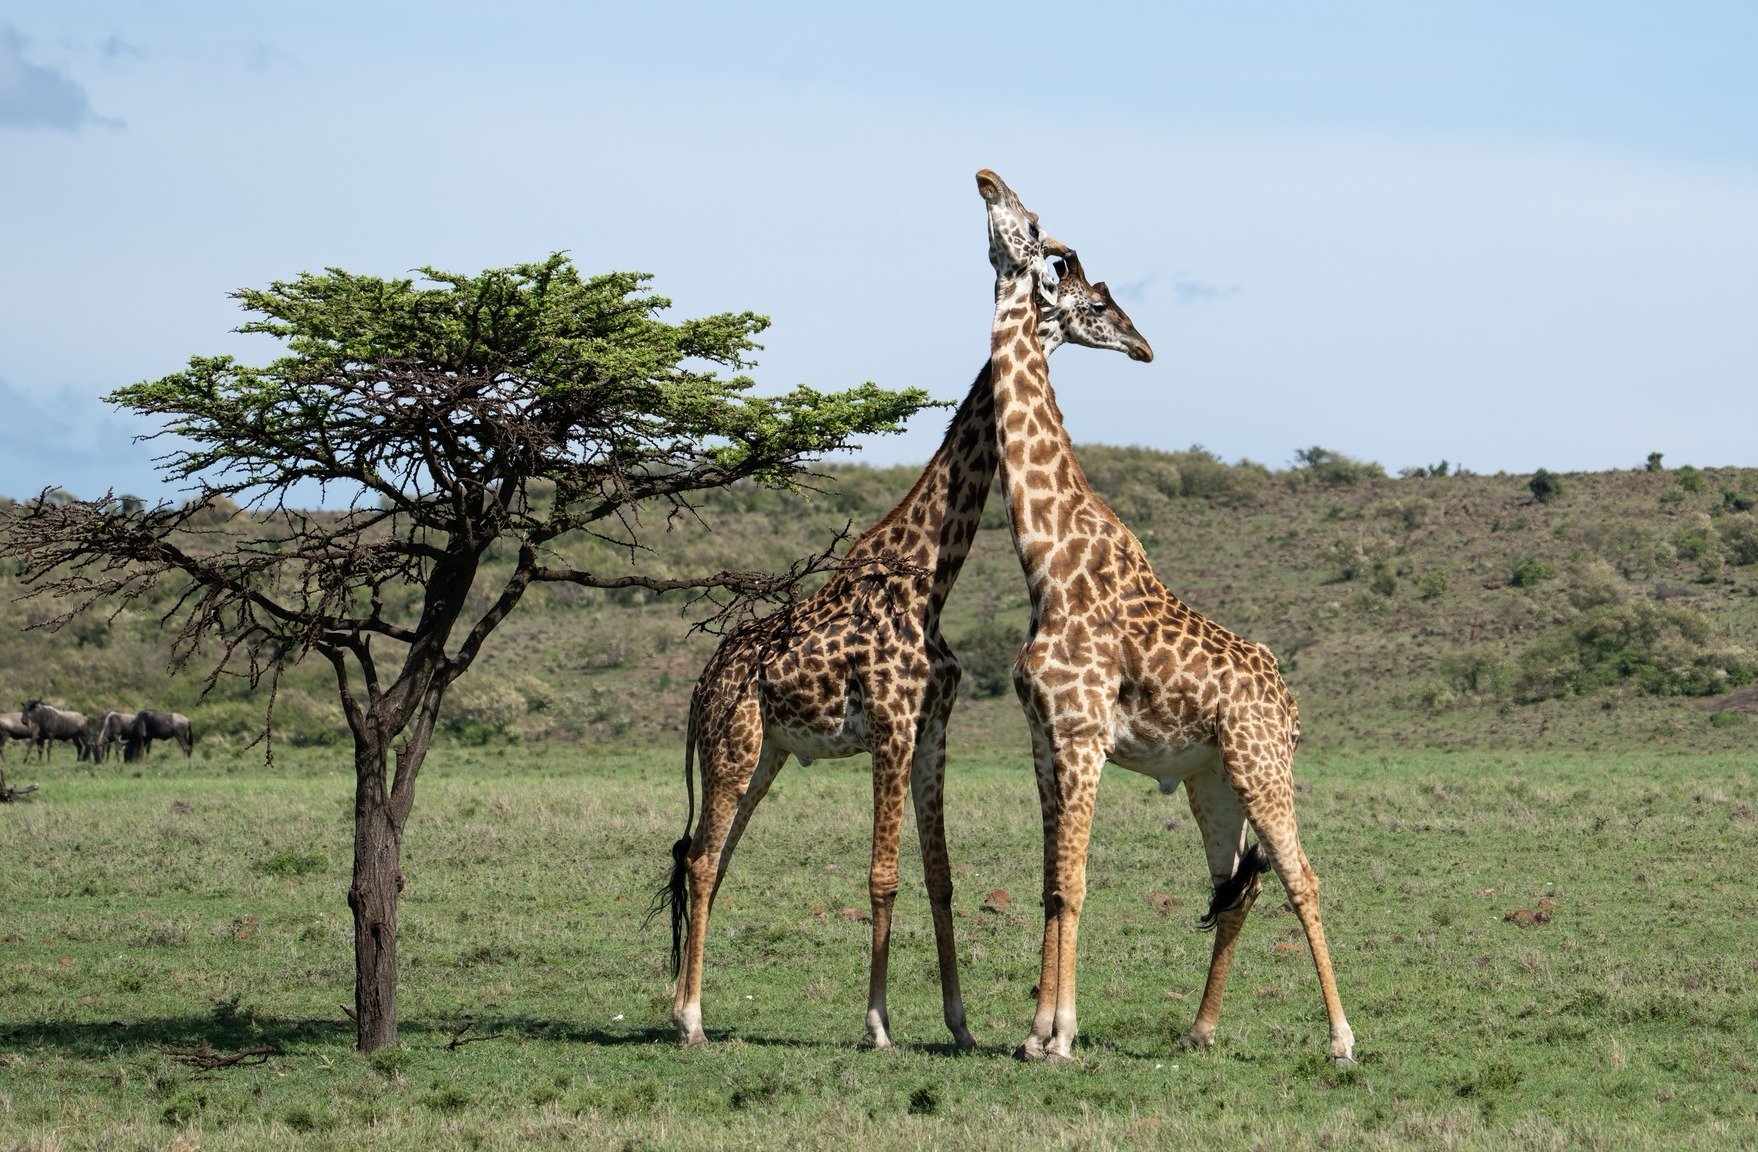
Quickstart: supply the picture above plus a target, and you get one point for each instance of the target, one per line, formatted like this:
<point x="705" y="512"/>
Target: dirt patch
<point x="1739" y="700"/>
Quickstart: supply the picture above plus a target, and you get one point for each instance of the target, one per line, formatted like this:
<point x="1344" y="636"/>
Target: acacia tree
<point x="452" y="414"/>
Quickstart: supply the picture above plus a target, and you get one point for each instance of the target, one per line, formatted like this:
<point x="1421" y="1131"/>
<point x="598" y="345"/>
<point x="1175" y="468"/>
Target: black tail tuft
<point x="674" y="895"/>
<point x="1230" y="895"/>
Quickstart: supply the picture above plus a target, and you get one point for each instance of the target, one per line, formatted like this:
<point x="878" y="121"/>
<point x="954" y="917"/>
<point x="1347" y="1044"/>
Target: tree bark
<point x="378" y="881"/>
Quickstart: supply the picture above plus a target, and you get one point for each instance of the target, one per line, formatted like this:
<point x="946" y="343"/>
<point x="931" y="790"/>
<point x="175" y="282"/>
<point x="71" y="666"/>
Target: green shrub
<point x="1530" y="572"/>
<point x="1334" y="469"/>
<point x="1690" y="479"/>
<point x="1637" y="551"/>
<point x="1384" y="581"/>
<point x="1654" y="464"/>
<point x="988" y="652"/>
<point x="1431" y="586"/>
<point x="1479" y="672"/>
<point x="1667" y="650"/>
<point x="1592" y="582"/>
<point x="1739" y="539"/>
<point x="1138" y="483"/>
<point x="1205" y="476"/>
<point x="1544" y="486"/>
<point x="1725" y="719"/>
<point x="482" y="707"/>
<point x="1358" y="555"/>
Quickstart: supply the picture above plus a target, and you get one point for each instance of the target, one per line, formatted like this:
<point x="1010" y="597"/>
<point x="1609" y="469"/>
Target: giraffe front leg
<point x="891" y="781"/>
<point x="1044" y="1019"/>
<point x="1078" y="765"/>
<point x="927" y="788"/>
<point x="1221" y="820"/>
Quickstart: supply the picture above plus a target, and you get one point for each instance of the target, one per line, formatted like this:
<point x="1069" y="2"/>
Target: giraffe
<point x="859" y="666"/>
<point x="1116" y="667"/>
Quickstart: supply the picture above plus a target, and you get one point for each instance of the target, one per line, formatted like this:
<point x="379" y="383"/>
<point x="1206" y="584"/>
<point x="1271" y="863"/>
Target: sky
<point x="1502" y="234"/>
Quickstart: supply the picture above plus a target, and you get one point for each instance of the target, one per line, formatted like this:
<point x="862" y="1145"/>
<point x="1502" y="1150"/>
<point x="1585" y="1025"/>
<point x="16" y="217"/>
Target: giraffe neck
<point x="1040" y="477"/>
<point x="934" y="525"/>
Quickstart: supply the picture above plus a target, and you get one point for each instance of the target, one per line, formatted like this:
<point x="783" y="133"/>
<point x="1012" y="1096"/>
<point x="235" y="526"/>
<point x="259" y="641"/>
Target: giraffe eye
<point x="1096" y="307"/>
<point x="1032" y="229"/>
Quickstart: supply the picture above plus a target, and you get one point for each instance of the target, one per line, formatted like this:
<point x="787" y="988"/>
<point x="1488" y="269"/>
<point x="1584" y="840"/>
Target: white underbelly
<point x="1163" y="763"/>
<point x="809" y="744"/>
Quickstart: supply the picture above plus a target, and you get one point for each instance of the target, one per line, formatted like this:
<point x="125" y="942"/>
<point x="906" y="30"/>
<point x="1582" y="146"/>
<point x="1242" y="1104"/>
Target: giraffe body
<point x="1117" y="668"/>
<point x="859" y="666"/>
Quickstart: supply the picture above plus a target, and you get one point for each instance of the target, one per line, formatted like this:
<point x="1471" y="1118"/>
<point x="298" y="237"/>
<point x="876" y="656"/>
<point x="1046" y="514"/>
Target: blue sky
<point x="1504" y="234"/>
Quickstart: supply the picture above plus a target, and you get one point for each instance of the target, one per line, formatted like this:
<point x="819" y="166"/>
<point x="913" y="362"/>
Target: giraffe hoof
<point x="1058" y="1060"/>
<point x="1027" y="1053"/>
<point x="692" y="1040"/>
<point x="1343" y="1061"/>
<point x="1193" y="1041"/>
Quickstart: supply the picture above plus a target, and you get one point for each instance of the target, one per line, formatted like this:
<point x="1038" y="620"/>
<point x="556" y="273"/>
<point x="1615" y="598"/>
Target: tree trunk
<point x="378" y="881"/>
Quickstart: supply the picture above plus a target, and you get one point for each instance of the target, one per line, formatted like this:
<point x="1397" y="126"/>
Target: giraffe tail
<point x="1231" y="894"/>
<point x="674" y="895"/>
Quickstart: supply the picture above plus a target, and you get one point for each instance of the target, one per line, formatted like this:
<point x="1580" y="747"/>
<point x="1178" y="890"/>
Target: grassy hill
<point x="1432" y="611"/>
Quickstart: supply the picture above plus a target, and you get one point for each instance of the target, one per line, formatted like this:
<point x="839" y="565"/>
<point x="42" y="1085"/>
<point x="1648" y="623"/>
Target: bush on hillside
<point x="1138" y="483"/>
<point x="1739" y="539"/>
<point x="1637" y="551"/>
<point x="1353" y="557"/>
<point x="481" y="708"/>
<point x="1666" y="650"/>
<point x="1333" y="469"/>
<point x="1204" y="475"/>
<point x="1531" y="571"/>
<point x="1594" y="583"/>
<point x="1142" y="482"/>
<point x="1544" y="486"/>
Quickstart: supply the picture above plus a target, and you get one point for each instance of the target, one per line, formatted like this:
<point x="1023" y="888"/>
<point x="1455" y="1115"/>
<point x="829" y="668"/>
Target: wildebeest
<point x="113" y="731"/>
<point x="50" y="724"/>
<point x="13" y="727"/>
<point x="153" y="724"/>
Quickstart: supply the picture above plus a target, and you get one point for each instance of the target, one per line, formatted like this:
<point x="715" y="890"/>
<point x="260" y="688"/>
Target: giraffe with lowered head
<point x="859" y="666"/>
<point x="1116" y="667"/>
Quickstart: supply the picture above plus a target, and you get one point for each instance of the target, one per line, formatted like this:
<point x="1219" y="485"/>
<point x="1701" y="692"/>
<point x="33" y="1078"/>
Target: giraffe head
<point x="1016" y="246"/>
<point x="1085" y="312"/>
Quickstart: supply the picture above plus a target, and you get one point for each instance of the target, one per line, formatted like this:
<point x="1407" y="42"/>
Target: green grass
<point x="203" y="903"/>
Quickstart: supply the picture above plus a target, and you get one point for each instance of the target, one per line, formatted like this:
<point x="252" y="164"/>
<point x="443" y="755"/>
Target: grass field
<point x="203" y="903"/>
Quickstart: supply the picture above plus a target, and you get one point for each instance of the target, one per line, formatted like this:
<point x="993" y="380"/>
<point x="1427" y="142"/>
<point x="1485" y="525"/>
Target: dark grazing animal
<point x="13" y="727"/>
<point x="112" y="732"/>
<point x="155" y="724"/>
<point x="50" y="725"/>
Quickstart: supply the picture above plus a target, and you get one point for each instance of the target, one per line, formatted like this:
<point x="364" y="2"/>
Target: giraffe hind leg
<point x="1234" y="872"/>
<point x="928" y="792"/>
<point x="1262" y="773"/>
<point x="732" y="765"/>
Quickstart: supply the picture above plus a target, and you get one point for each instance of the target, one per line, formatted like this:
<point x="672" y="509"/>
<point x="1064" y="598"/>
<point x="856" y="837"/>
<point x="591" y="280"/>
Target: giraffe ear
<point x="1061" y="268"/>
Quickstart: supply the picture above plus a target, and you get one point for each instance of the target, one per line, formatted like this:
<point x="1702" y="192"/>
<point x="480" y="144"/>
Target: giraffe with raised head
<point x="1116" y="667"/>
<point x="859" y="666"/>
